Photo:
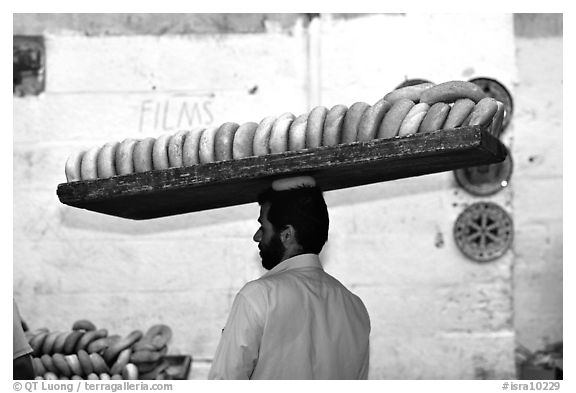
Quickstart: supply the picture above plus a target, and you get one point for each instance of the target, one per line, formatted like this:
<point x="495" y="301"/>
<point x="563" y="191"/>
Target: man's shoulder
<point x="253" y="288"/>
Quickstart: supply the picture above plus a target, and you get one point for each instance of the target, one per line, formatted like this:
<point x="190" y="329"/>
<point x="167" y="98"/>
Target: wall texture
<point x="435" y="314"/>
<point x="538" y="181"/>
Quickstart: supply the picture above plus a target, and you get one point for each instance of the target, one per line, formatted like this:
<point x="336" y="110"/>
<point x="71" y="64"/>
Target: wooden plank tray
<point x="174" y="191"/>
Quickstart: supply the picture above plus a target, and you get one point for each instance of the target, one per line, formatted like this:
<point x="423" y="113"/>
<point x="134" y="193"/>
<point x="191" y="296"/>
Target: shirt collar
<point x="296" y="262"/>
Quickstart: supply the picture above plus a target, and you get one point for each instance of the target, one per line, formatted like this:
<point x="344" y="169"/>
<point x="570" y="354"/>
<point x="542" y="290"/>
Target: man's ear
<point x="288" y="235"/>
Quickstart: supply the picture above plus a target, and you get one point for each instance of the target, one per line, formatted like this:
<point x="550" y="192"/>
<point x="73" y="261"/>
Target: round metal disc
<point x="498" y="91"/>
<point x="483" y="231"/>
<point x="485" y="180"/>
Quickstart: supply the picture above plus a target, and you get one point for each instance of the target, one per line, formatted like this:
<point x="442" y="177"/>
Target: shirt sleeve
<point x="365" y="365"/>
<point x="237" y="352"/>
<point x="21" y="346"/>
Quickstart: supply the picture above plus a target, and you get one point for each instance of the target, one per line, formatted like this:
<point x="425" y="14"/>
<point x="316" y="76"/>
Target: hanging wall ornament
<point x="483" y="231"/>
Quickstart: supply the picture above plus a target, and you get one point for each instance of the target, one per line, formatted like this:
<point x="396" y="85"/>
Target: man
<point x="22" y="360"/>
<point x="296" y="321"/>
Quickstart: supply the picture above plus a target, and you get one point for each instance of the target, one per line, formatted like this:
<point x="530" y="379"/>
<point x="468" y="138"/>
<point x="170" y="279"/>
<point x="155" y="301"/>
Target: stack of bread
<point x="421" y="108"/>
<point x="86" y="352"/>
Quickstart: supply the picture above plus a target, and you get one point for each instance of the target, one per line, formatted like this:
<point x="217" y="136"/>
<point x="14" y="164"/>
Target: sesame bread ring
<point x="147" y="356"/>
<point x="61" y="364"/>
<point x="191" y="147"/>
<point x="98" y="364"/>
<point x="451" y="91"/>
<point x="483" y="112"/>
<point x="48" y="363"/>
<point x="297" y="133"/>
<point x="459" y="112"/>
<point x="71" y="341"/>
<point x="89" y="165"/>
<point x="89" y="337"/>
<point x="206" y="152"/>
<point x="371" y="119"/>
<point x="51" y="376"/>
<point x="261" y="142"/>
<point x="413" y="92"/>
<point x="130" y="372"/>
<point x="225" y="141"/>
<point x="49" y="341"/>
<point x="315" y="126"/>
<point x="160" y="152"/>
<point x="393" y="118"/>
<point x="98" y="345"/>
<point x="156" y="337"/>
<point x="85" y="362"/>
<point x="435" y="118"/>
<point x="498" y="120"/>
<point x="112" y="352"/>
<point x="243" y="145"/>
<point x="143" y="155"/>
<point x="175" y="149"/>
<point x="349" y="132"/>
<point x="123" y="360"/>
<point x="73" y="165"/>
<point x="106" y="161"/>
<point x="37" y="341"/>
<point x="413" y="119"/>
<point x="157" y="370"/>
<point x="59" y="343"/>
<point x="83" y="324"/>
<point x="74" y="364"/>
<point x="333" y="124"/>
<point x="39" y="368"/>
<point x="124" y="157"/>
<point x="279" y="133"/>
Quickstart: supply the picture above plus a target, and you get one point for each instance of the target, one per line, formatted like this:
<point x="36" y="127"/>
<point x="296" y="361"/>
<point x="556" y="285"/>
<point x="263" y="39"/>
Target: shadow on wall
<point x="88" y="220"/>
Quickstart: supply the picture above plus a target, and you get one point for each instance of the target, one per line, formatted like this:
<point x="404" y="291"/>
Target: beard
<point x="272" y="252"/>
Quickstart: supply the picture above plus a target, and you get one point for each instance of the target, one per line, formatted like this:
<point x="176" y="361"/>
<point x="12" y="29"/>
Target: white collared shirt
<point x="295" y="322"/>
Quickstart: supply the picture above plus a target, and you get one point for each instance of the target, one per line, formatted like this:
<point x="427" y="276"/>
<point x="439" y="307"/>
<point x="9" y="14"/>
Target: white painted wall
<point x="435" y="314"/>
<point x="538" y="185"/>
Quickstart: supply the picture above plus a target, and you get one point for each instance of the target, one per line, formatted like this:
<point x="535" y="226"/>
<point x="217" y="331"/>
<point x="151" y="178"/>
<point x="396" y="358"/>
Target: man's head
<point x="292" y="222"/>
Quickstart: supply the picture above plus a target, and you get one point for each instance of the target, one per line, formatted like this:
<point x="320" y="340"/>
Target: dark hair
<point x="305" y="209"/>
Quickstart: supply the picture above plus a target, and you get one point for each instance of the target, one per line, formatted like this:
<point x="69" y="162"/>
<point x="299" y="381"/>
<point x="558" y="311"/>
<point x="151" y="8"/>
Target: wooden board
<point x="174" y="191"/>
